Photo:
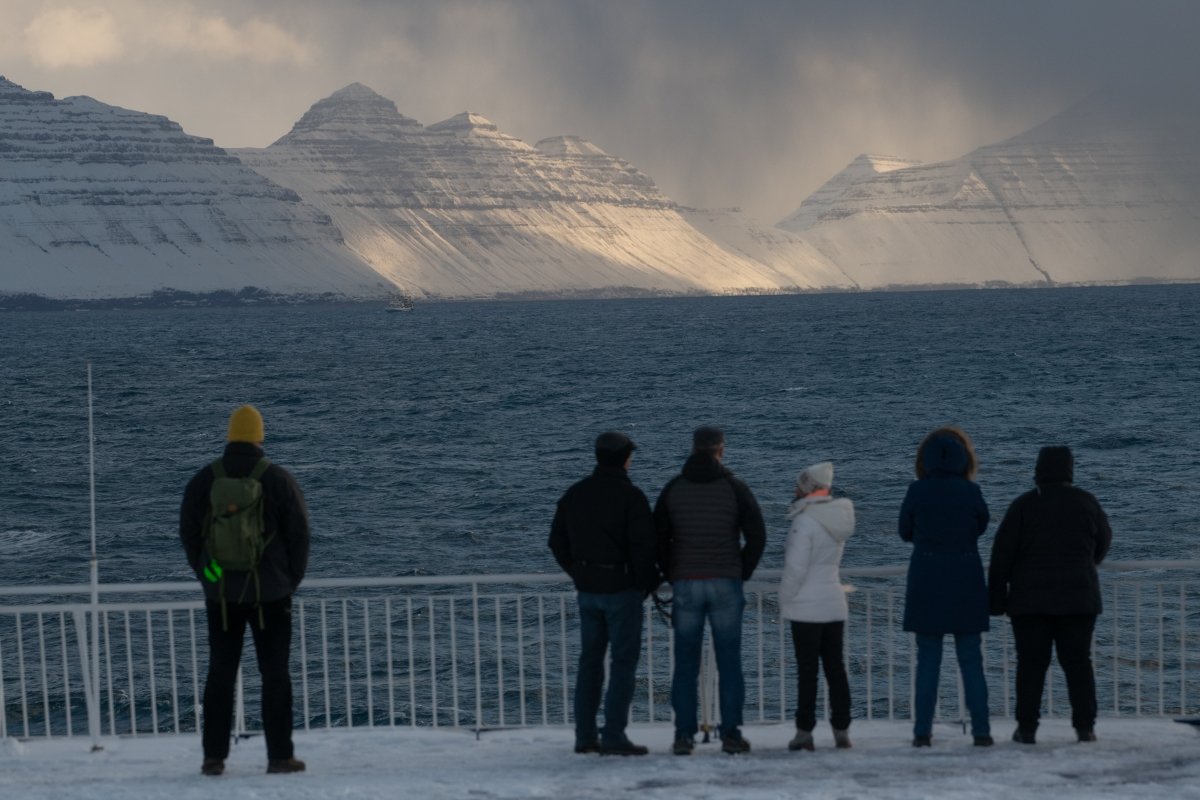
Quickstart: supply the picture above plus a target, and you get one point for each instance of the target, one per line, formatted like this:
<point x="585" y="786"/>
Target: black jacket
<point x="603" y="534"/>
<point x="1045" y="553"/>
<point x="701" y="517"/>
<point x="284" y="515"/>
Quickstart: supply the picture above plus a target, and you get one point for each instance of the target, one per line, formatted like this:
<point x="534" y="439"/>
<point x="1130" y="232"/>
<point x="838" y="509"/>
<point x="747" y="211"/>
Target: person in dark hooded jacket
<point x="943" y="515"/>
<point x="1043" y="575"/>
<point x="264" y="604"/>
<point x="702" y="516"/>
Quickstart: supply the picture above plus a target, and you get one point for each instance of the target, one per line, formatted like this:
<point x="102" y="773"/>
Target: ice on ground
<point x="1136" y="758"/>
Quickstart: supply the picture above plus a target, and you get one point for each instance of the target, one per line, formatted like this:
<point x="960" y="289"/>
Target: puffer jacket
<point x="811" y="588"/>
<point x="702" y="517"/>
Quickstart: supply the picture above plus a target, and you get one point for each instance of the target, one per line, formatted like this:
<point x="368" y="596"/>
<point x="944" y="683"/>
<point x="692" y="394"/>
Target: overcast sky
<point x="750" y="103"/>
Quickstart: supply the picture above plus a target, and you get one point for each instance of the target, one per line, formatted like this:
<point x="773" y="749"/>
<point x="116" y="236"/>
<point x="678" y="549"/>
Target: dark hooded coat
<point x="1046" y="550"/>
<point x="943" y="515"/>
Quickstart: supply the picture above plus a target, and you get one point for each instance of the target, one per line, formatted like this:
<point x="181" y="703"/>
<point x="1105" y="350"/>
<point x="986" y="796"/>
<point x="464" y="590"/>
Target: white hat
<point x="818" y="476"/>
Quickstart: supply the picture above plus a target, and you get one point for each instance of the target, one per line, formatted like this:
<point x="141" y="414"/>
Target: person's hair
<point x="964" y="440"/>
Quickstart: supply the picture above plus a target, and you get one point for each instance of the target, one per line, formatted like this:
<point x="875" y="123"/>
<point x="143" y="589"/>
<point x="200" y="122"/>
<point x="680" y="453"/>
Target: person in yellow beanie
<point x="244" y="493"/>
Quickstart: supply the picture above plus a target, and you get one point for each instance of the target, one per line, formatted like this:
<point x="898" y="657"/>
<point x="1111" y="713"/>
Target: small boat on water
<point x="400" y="302"/>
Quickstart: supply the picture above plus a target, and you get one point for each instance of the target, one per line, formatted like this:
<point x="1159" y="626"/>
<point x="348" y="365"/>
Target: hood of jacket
<point x="1054" y="465"/>
<point x="834" y="514"/>
<point x="945" y="455"/>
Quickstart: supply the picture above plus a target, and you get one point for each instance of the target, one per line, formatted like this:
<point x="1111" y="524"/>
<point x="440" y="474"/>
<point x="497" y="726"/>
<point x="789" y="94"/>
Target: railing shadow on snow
<point x="480" y="652"/>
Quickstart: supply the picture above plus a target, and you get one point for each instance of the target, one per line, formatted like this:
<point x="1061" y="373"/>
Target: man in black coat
<point x="1043" y="575"/>
<point x="702" y="517"/>
<point x="234" y="599"/>
<point x="603" y="537"/>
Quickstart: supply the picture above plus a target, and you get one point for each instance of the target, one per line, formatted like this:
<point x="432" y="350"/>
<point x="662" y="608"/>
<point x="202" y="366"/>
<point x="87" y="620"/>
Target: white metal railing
<point x="482" y="652"/>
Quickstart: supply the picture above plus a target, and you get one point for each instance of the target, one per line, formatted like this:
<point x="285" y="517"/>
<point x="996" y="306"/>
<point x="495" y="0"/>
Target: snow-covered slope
<point x="1102" y="193"/>
<point x="100" y="201"/>
<point x="461" y="209"/>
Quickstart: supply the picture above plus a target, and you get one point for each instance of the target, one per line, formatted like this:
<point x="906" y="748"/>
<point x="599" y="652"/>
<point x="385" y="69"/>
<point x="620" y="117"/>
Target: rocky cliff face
<point x="1106" y="192"/>
<point x="100" y="201"/>
<point x="461" y="209"/>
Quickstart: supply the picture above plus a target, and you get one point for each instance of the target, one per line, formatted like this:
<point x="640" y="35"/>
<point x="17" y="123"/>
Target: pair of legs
<point x="813" y="642"/>
<point x="969" y="649"/>
<point x="607" y="622"/>
<point x="720" y="602"/>
<point x="1035" y="636"/>
<point x="272" y="644"/>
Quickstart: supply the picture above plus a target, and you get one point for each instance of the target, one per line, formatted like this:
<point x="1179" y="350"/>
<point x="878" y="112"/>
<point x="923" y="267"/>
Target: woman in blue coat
<point x="943" y="515"/>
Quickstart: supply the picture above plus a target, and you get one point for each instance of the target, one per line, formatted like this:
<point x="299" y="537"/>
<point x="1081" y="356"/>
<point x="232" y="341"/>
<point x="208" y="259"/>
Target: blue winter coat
<point x="944" y="515"/>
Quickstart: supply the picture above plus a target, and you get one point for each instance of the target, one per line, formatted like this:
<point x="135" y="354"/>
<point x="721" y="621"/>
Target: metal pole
<point x="93" y="696"/>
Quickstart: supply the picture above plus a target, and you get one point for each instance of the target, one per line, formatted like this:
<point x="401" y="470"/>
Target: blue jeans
<point x="607" y="621"/>
<point x="968" y="647"/>
<point x="721" y="602"/>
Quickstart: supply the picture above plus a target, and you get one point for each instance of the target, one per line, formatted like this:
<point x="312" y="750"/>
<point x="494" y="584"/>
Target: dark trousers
<point x="1071" y="635"/>
<point x="607" y="623"/>
<point x="272" y="642"/>
<point x="822" y="641"/>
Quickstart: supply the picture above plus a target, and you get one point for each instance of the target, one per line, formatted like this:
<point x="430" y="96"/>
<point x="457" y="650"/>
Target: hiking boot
<point x="213" y="766"/>
<point x="1085" y="734"/>
<point x="734" y="744"/>
<point x="841" y="738"/>
<point x="284" y="765"/>
<point x="984" y="741"/>
<point x="803" y="740"/>
<point x="622" y="747"/>
<point x="923" y="741"/>
<point x="587" y="747"/>
<point x="1024" y="736"/>
<point x="683" y="746"/>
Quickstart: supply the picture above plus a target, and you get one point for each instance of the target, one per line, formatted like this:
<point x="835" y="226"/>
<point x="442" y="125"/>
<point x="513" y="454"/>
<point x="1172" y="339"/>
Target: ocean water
<point x="438" y="442"/>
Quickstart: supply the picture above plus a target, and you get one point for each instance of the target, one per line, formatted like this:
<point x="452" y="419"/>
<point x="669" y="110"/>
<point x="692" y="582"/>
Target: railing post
<point x="90" y="680"/>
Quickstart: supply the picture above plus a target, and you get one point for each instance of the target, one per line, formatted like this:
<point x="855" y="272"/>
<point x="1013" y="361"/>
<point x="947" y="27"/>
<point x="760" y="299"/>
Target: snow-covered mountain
<point x="98" y="201"/>
<point x="460" y="208"/>
<point x="1106" y="192"/>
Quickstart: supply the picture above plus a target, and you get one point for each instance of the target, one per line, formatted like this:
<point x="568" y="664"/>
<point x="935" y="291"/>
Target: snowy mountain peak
<point x="865" y="167"/>
<point x="101" y="201"/>
<point x="355" y="112"/>
<point x="568" y="145"/>
<point x="11" y="92"/>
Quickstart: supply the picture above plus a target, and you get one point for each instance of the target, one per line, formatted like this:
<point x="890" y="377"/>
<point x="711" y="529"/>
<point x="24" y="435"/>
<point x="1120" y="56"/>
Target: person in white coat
<point x="811" y="596"/>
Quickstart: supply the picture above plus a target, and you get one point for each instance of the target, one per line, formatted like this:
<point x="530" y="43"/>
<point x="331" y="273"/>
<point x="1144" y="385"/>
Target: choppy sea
<point x="437" y="441"/>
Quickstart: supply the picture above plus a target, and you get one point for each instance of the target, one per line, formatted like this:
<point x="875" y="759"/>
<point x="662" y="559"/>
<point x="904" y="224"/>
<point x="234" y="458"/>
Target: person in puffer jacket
<point x="811" y="596"/>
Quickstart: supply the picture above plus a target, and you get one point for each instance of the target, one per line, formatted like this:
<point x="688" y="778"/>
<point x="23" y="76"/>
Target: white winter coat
<point x="811" y="588"/>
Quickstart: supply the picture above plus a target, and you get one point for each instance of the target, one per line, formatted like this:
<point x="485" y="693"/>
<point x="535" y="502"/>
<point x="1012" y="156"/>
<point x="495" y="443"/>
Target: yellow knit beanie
<point x="246" y="425"/>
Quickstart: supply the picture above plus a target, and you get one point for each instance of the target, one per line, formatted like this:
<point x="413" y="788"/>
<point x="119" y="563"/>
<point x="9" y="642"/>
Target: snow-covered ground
<point x="1148" y="758"/>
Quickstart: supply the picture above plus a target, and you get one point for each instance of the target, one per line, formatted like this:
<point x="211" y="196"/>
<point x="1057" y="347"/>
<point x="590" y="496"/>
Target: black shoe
<point x="622" y="747"/>
<point x="213" y="766"/>
<point x="683" y="746"/>
<point x="1021" y="736"/>
<point x="734" y="744"/>
<point x="283" y="766"/>
<point x="587" y="747"/>
<point x="922" y="741"/>
<point x="984" y="741"/>
<point x="1085" y="734"/>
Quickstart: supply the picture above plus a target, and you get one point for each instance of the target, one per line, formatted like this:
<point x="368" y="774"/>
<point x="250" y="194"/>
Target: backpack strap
<point x="259" y="468"/>
<point x="218" y="467"/>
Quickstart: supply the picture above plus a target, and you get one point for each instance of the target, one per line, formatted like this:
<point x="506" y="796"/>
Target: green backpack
<point x="234" y="530"/>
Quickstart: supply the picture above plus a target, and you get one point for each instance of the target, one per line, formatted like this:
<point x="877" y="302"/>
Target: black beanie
<point x="1054" y="465"/>
<point x="613" y="448"/>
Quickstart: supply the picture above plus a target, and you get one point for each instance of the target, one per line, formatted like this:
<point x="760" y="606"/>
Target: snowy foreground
<point x="1134" y="758"/>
